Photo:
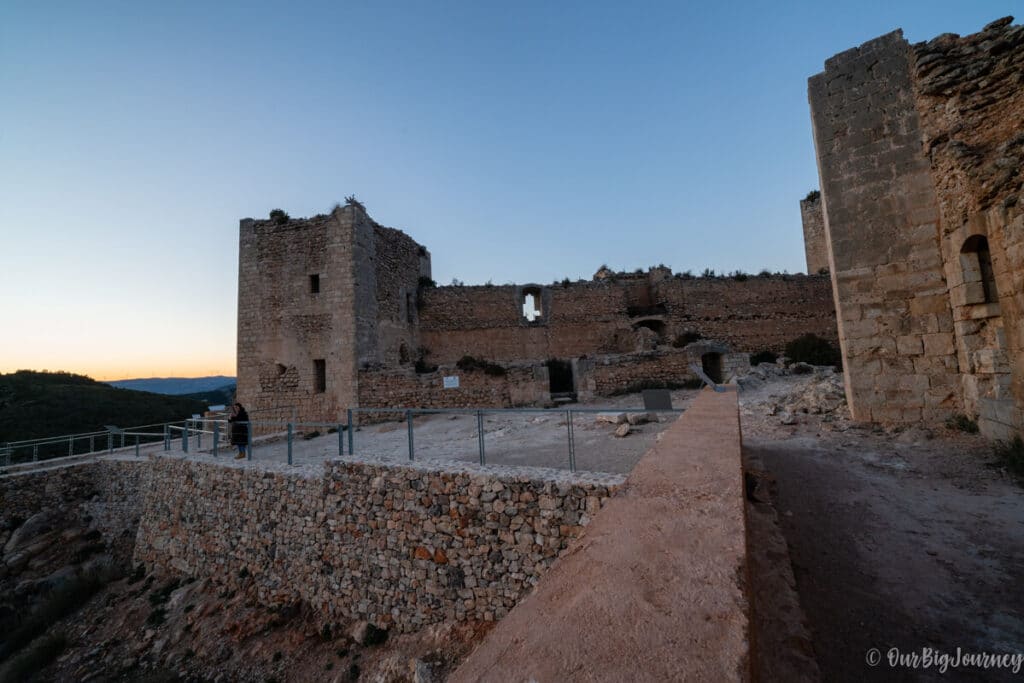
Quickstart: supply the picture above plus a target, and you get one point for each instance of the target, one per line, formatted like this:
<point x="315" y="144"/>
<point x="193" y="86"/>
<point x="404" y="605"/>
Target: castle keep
<point x="336" y="311"/>
<point x="919" y="150"/>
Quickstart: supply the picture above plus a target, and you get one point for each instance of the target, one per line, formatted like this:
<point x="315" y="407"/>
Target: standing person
<point x="239" y="421"/>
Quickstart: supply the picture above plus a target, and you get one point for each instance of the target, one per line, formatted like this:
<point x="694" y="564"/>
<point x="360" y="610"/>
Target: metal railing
<point x="85" y="443"/>
<point x="212" y="434"/>
<point x="284" y="440"/>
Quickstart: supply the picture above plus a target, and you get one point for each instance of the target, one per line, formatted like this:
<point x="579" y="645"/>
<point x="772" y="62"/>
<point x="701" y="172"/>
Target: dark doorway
<point x="560" y="376"/>
<point x="712" y="364"/>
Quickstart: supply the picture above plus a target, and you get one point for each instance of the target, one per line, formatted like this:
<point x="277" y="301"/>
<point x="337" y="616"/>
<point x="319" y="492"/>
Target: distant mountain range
<point x="177" y="386"/>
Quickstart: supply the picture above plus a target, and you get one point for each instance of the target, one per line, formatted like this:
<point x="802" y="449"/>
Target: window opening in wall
<point x="319" y="376"/>
<point x="314" y="284"/>
<point x="712" y="366"/>
<point x="531" y="303"/>
<point x="976" y="264"/>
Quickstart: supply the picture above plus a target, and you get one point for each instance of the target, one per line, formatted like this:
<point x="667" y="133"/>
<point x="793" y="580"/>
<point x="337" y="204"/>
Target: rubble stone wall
<point x="109" y="492"/>
<point x="399" y="546"/>
<point x="519" y="386"/>
<point x="623" y="316"/>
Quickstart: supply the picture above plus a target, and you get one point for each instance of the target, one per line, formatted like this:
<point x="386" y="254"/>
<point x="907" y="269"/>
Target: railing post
<point x="110" y="443"/>
<point x="248" y="446"/>
<point x="167" y="437"/>
<point x="35" y="453"/>
<point x="480" y="435"/>
<point x="568" y="427"/>
<point x="92" y="444"/>
<point x="184" y="438"/>
<point x="341" y="440"/>
<point x="216" y="438"/>
<point x="289" y="443"/>
<point x="199" y="437"/>
<point x="408" y="420"/>
<point x="351" y="432"/>
<point x="71" y="446"/>
<point x="136" y="445"/>
<point x="122" y="439"/>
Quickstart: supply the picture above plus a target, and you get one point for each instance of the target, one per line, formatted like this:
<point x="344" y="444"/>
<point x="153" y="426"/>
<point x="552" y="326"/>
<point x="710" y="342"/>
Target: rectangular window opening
<point x="319" y="376"/>
<point x="314" y="284"/>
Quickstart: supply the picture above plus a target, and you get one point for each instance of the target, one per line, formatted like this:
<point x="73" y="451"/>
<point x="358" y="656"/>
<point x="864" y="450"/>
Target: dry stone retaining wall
<point x="400" y="546"/>
<point x="109" y="492"/>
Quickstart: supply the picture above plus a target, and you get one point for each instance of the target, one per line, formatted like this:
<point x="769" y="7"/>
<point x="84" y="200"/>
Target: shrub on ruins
<point x="1010" y="455"/>
<point x="469" y="364"/>
<point x="765" y="273"/>
<point x="813" y="196"/>
<point x="739" y="276"/>
<point x="962" y="423"/>
<point x="763" y="356"/>
<point x="812" y="349"/>
<point x="423" y="367"/>
<point x="708" y="272"/>
<point x="425" y="282"/>
<point x="279" y="216"/>
<point x="352" y="201"/>
<point x="686" y="338"/>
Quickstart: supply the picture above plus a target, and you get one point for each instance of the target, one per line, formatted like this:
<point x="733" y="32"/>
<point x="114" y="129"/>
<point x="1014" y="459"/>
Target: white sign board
<point x="451" y="382"/>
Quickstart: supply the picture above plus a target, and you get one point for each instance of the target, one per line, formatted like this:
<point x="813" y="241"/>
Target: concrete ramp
<point x="653" y="591"/>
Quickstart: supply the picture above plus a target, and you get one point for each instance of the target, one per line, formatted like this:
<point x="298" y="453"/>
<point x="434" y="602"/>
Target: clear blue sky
<point x="518" y="141"/>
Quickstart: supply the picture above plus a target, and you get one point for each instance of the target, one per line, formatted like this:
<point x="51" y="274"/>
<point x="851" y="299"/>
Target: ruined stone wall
<point x="283" y="326"/>
<point x="882" y="221"/>
<point x="399" y="264"/>
<point x="519" y="386"/>
<point x="605" y="317"/>
<point x="400" y="546"/>
<point x="970" y="97"/>
<point x="919" y="153"/>
<point x="815" y="243"/>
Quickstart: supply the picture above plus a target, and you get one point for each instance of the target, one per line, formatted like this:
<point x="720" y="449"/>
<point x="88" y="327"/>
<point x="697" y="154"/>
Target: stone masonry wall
<point x="815" y="243"/>
<point x="519" y="386"/>
<point x="109" y="492"/>
<point x="605" y="317"/>
<point x="400" y="263"/>
<point x="882" y="221"/>
<point x="399" y="546"/>
<point x="970" y="98"/>
<point x="283" y="326"/>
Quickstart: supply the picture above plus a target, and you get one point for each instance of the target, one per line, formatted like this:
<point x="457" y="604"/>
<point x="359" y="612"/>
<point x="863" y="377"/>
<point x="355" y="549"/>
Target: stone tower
<point x="319" y="299"/>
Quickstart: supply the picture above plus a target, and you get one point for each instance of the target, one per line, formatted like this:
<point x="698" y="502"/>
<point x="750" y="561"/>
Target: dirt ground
<point x="905" y="539"/>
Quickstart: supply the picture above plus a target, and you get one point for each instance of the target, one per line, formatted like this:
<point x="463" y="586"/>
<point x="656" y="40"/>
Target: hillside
<point x="40" y="404"/>
<point x="177" y="386"/>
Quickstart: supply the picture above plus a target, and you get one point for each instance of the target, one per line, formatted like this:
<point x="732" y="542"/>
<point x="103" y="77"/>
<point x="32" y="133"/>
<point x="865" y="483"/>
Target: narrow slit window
<point x="319" y="376"/>
<point x="314" y="284"/>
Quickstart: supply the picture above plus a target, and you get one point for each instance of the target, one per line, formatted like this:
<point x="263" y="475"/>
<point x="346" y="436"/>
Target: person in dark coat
<point x="239" y="421"/>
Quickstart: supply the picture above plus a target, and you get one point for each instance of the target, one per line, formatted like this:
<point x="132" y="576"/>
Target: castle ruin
<point x="336" y="311"/>
<point x="919" y="150"/>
